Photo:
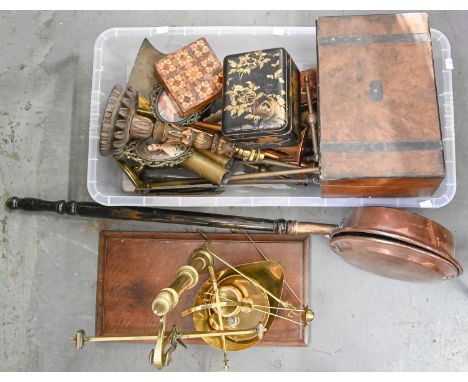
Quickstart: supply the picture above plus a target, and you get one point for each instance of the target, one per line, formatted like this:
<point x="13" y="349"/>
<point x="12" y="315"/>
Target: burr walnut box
<point x="261" y="99"/>
<point x="191" y="76"/>
<point x="378" y="113"/>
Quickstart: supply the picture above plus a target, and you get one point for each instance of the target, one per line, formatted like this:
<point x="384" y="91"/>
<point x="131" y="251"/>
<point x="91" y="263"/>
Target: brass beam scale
<point x="232" y="311"/>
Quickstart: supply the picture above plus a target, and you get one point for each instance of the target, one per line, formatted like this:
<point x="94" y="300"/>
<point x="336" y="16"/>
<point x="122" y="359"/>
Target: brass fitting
<point x="251" y="155"/>
<point x="144" y="107"/>
<point x="165" y="301"/>
<point x="307" y="316"/>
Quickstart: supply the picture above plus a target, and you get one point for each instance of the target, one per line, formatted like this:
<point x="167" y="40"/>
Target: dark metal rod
<point x="258" y="175"/>
<point x="294" y="181"/>
<point x="200" y="187"/>
<point x="160" y="215"/>
<point x="273" y="162"/>
<point x="201" y="183"/>
<point x="311" y="120"/>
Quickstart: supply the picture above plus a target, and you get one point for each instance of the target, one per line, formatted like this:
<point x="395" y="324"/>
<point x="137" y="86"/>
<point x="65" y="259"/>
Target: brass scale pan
<point x="386" y="241"/>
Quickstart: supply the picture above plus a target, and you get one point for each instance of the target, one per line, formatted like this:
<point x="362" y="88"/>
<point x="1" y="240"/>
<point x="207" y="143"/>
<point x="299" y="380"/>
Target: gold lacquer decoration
<point x="250" y="99"/>
<point x="249" y="61"/>
<point x="261" y="109"/>
<point x="232" y="311"/>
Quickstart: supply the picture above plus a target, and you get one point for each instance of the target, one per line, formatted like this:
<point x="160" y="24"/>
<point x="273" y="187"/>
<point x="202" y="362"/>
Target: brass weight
<point x="187" y="277"/>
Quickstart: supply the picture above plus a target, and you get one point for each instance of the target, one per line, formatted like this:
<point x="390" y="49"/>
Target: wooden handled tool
<point x="386" y="241"/>
<point x="160" y="215"/>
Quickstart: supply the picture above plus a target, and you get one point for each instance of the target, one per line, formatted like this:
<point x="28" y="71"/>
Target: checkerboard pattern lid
<point x="192" y="76"/>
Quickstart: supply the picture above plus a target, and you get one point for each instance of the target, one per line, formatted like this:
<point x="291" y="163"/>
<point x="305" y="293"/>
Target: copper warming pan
<point x="386" y="241"/>
<point x="396" y="244"/>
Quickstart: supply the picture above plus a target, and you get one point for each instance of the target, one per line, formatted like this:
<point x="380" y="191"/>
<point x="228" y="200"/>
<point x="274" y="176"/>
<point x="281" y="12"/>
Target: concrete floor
<point x="48" y="264"/>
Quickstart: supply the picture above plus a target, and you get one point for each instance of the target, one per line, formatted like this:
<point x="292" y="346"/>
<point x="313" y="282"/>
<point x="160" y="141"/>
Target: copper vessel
<point x="396" y="244"/>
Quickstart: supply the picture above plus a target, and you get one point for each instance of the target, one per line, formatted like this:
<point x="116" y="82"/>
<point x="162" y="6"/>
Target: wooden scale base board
<point x="134" y="266"/>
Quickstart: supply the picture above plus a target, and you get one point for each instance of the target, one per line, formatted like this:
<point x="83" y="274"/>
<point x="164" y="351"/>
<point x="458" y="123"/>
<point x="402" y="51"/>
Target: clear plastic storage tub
<point x="114" y="52"/>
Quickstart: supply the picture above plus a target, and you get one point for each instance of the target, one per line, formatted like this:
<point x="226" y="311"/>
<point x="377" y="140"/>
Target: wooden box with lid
<point x="379" y="123"/>
<point x="261" y="99"/>
<point x="192" y="76"/>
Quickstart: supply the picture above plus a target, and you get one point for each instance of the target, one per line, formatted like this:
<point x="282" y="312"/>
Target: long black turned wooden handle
<point x="157" y="215"/>
<point x="160" y="215"/>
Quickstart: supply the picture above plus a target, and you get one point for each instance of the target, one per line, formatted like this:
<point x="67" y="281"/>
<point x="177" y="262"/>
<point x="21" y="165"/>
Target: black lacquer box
<point x="261" y="99"/>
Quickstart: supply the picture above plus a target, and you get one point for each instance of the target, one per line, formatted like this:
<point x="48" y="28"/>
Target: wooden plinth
<point x="134" y="266"/>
